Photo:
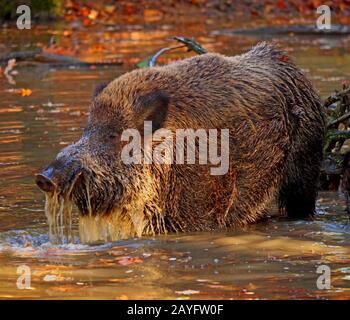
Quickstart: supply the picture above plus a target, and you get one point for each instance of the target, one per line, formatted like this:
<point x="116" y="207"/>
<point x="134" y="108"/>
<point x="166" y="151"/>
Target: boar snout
<point x="58" y="176"/>
<point x="45" y="183"/>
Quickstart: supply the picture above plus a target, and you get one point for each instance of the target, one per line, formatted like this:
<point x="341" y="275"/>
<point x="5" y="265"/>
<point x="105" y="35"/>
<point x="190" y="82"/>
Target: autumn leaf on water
<point x="152" y="15"/>
<point x="106" y="262"/>
<point x="129" y="8"/>
<point x="96" y="48"/>
<point x="87" y="22"/>
<point x="67" y="289"/>
<point x="84" y="11"/>
<point x="56" y="49"/>
<point x="126" y="261"/>
<point x="26" y="92"/>
<point x="254" y="13"/>
<point x="109" y="9"/>
<point x="281" y="4"/>
<point x="93" y="14"/>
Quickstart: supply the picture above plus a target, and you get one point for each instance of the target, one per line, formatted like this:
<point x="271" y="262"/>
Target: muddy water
<point x="275" y="259"/>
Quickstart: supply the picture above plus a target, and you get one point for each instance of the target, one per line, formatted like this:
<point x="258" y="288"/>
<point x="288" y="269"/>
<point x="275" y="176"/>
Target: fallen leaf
<point x="26" y="92"/>
<point x="67" y="289"/>
<point x="129" y="8"/>
<point x="126" y="261"/>
<point x="93" y="14"/>
<point x="281" y="4"/>
<point x="252" y="287"/>
<point x="254" y="13"/>
<point x="109" y="9"/>
<point x="152" y="13"/>
<point x="56" y="49"/>
<point x="106" y="261"/>
<point x="85" y="12"/>
<point x="87" y="22"/>
<point x="67" y="33"/>
<point x="96" y="48"/>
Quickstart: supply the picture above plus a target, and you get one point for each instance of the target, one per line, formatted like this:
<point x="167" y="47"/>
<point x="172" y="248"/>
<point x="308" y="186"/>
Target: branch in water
<point x="339" y="120"/>
<point x="191" y="44"/>
<point x="334" y="98"/>
<point x="43" y="57"/>
<point x="20" y="55"/>
<point x="153" y="59"/>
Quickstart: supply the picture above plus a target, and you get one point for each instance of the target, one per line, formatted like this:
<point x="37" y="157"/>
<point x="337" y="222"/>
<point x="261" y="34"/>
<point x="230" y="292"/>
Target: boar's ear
<point x="98" y="89"/>
<point x="153" y="107"/>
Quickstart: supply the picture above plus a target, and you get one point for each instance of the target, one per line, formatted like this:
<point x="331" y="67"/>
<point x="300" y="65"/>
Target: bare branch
<point x="338" y="120"/>
<point x="334" y="98"/>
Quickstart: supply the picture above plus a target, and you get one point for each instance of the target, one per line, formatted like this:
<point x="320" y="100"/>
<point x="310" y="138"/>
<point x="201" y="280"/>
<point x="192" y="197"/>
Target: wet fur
<point x="276" y="125"/>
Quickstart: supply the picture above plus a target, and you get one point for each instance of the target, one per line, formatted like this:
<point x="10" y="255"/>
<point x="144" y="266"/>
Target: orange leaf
<point x="68" y="17"/>
<point x="254" y="13"/>
<point x="126" y="261"/>
<point x="152" y="12"/>
<point x="86" y="22"/>
<point x="67" y="33"/>
<point x="316" y="3"/>
<point x="109" y="9"/>
<point x="93" y="14"/>
<point x="56" y="49"/>
<point x="281" y="4"/>
<point x="129" y="8"/>
<point x="84" y="12"/>
<point x="26" y="92"/>
<point x="96" y="48"/>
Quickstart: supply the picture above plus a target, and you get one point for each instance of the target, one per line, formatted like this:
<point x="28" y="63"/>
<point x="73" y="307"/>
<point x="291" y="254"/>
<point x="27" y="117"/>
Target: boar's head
<point x="110" y="195"/>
